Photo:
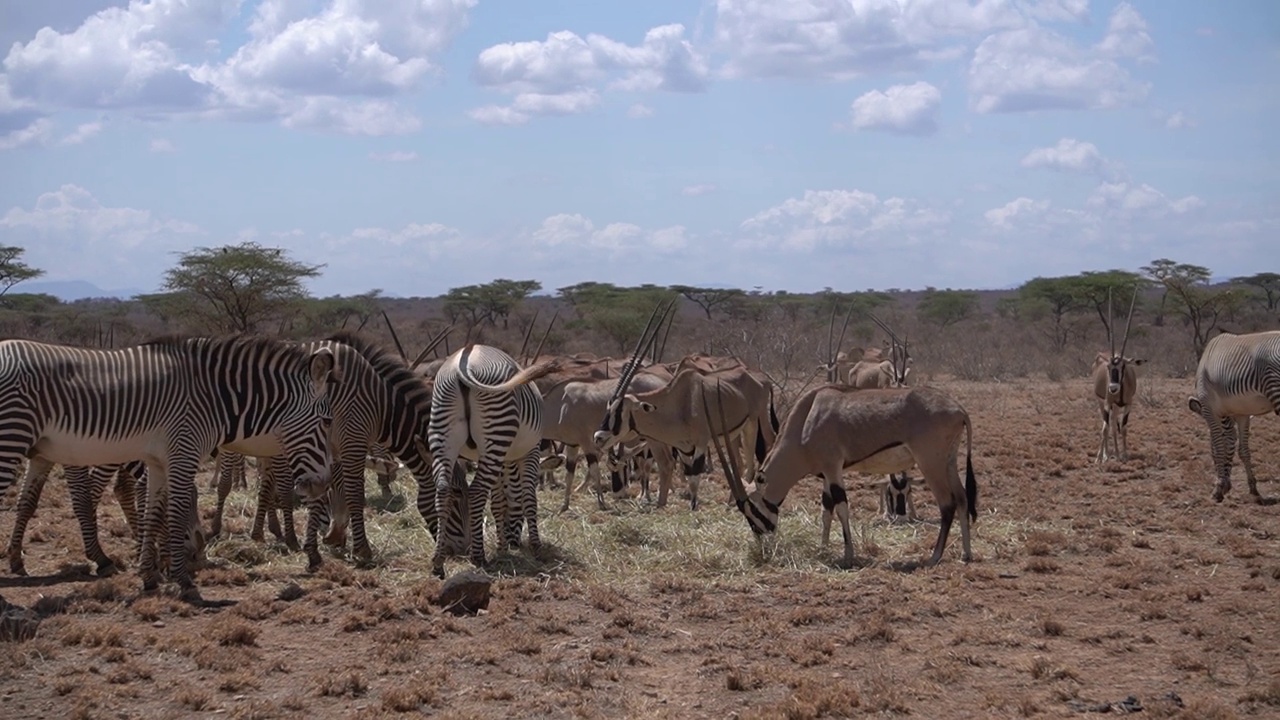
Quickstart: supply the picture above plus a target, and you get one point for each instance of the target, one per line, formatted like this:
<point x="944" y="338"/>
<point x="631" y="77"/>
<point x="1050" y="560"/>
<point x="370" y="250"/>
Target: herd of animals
<point x="479" y="429"/>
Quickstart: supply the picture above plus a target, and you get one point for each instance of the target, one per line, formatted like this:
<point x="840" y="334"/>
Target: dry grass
<point x="1090" y="584"/>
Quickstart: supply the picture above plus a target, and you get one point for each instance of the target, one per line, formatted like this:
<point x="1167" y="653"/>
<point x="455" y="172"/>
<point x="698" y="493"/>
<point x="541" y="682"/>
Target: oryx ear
<point x="647" y="407"/>
<point x="1137" y="361"/>
<point x="1194" y="404"/>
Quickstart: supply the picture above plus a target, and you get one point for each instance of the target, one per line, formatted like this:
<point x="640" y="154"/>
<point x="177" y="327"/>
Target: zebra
<point x="1238" y="377"/>
<point x="381" y="404"/>
<point x="88" y="484"/>
<point x="168" y="402"/>
<point x="484" y="406"/>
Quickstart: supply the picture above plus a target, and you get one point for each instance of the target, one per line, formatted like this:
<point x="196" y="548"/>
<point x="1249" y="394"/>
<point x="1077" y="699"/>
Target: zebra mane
<point x="386" y="363"/>
<point x="239" y="341"/>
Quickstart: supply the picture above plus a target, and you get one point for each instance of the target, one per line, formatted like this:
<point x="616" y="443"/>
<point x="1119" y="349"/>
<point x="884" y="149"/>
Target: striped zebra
<point x="484" y="407"/>
<point x="381" y="407"/>
<point x="89" y="483"/>
<point x="1238" y="377"/>
<point x="168" y="402"/>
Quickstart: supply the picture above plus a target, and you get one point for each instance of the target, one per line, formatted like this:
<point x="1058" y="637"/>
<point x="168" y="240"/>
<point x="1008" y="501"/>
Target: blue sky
<point x="419" y="145"/>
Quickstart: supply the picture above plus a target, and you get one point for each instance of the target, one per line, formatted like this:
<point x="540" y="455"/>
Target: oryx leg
<point x="1106" y="426"/>
<point x="938" y="466"/>
<point x="835" y="501"/>
<point x="1123" y="430"/>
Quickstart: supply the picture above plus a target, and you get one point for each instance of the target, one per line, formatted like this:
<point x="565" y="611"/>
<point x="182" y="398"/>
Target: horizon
<point x="414" y="147"/>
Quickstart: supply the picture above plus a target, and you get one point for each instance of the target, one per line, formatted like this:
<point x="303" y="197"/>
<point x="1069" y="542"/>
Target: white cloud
<point x="395" y="156"/>
<point x="37" y="133"/>
<point x="81" y="133"/>
<point x="336" y="65"/>
<point x="1179" y="120"/>
<point x="841" y="218"/>
<point x="1033" y="68"/>
<point x="1134" y="200"/>
<point x="71" y="235"/>
<point x="1061" y="10"/>
<point x="849" y="38"/>
<point x="639" y="110"/>
<point x="1023" y="208"/>
<point x="906" y="109"/>
<point x="696" y="190"/>
<point x="161" y="145"/>
<point x="564" y="74"/>
<point x="1071" y="155"/>
<point x="574" y="231"/>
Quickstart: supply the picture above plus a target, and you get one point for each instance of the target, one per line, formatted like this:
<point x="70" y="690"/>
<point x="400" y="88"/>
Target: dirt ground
<point x="1091" y="587"/>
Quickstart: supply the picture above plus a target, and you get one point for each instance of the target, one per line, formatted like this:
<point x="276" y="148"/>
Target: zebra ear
<point x="1194" y="404"/>
<point x="324" y="367"/>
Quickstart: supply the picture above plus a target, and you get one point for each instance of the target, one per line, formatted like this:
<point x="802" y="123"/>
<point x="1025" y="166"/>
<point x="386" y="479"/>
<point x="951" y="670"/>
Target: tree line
<point x="247" y="287"/>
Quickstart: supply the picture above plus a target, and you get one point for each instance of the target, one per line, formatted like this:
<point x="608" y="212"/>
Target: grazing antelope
<point x="1115" y="384"/>
<point x="833" y="428"/>
<point x="1238" y="377"/>
<point x="896" y="503"/>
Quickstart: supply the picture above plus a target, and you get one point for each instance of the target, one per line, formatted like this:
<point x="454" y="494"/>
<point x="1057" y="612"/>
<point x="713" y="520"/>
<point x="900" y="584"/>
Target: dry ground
<point x="1089" y="585"/>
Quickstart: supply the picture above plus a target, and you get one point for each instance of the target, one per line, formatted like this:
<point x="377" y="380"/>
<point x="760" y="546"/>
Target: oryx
<point x="833" y="428"/>
<point x="1115" y="384"/>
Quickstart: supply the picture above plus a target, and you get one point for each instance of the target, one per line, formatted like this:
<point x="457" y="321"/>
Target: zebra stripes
<point x="484" y="407"/>
<point x="169" y="402"/>
<point x="1238" y="377"/>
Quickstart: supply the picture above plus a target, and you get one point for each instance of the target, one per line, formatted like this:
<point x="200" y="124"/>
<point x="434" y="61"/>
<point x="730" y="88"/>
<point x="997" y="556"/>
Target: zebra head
<point x="306" y="421"/>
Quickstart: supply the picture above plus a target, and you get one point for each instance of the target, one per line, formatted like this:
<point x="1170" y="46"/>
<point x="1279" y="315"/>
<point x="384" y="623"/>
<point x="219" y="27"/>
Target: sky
<point x="414" y="146"/>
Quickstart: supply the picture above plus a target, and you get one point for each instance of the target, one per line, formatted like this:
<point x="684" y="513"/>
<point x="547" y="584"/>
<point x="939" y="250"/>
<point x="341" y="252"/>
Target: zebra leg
<point x="265" y="504"/>
<point x="86" y="486"/>
<point x="1222" y="441"/>
<point x="32" y="485"/>
<point x="317" y="515"/>
<point x="124" y="490"/>
<point x="152" y="527"/>
<point x="1247" y="459"/>
<point x="527" y="490"/>
<point x="489" y="472"/>
<point x="181" y="518"/>
<point x="505" y="510"/>
<point x="225" y="471"/>
<point x="282" y="477"/>
<point x="451" y="511"/>
<point x="352" y="492"/>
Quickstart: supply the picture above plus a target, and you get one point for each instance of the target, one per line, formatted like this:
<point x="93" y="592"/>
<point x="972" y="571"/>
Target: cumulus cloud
<point x="576" y="231"/>
<point x="565" y="74"/>
<point x="1179" y="120"/>
<point x="71" y="235"/>
<point x="906" y="109"/>
<point x="639" y="110"/>
<point x="161" y="145"/>
<point x="1022" y="208"/>
<point x="1034" y="68"/>
<point x="1071" y="155"/>
<point x="840" y="40"/>
<point x="696" y="190"/>
<point x="846" y="218"/>
<point x="336" y="65"/>
<point x="81" y="133"/>
<point x="395" y="156"/>
<point x="37" y="133"/>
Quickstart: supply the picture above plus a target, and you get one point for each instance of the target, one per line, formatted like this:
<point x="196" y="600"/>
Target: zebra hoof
<point x="314" y="561"/>
<point x="150" y="585"/>
<point x="17" y="567"/>
<point x="107" y="569"/>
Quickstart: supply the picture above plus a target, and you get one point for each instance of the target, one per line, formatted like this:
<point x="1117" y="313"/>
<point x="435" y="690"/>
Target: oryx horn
<point x="394" y="337"/>
<point x="1125" y="343"/>
<point x="731" y="476"/>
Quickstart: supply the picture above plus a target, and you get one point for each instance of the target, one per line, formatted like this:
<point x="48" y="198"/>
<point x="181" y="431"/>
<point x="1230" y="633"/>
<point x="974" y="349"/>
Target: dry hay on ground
<point x="1090" y="585"/>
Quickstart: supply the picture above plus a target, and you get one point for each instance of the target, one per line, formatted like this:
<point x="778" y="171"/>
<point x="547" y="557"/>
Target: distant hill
<point x="69" y="290"/>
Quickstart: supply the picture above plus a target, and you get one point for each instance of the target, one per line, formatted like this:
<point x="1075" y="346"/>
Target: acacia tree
<point x="13" y="270"/>
<point x="1268" y="283"/>
<point x="1202" y="307"/>
<point x="1056" y="296"/>
<point x="709" y="298"/>
<point x="618" y="313"/>
<point x="488" y="303"/>
<point x="1105" y="291"/>
<point x="237" y="288"/>
<point x="946" y="307"/>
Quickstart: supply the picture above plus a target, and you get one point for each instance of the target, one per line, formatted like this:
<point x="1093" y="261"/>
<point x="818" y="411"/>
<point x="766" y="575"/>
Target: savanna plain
<point x="1094" y="588"/>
